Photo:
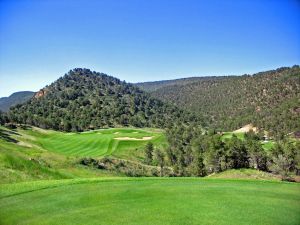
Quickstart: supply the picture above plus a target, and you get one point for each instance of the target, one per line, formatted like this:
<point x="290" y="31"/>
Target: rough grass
<point x="150" y="201"/>
<point x="245" y="174"/>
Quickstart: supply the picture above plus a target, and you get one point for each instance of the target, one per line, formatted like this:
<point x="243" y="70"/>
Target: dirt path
<point x="133" y="139"/>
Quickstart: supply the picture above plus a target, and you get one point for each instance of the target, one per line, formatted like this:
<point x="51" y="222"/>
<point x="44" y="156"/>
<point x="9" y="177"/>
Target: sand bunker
<point x="133" y="139"/>
<point x="116" y="132"/>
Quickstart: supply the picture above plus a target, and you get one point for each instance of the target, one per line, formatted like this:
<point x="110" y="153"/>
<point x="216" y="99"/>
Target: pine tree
<point x="149" y="153"/>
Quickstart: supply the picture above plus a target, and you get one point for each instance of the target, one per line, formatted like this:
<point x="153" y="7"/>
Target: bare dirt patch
<point x="246" y="129"/>
<point x="21" y="143"/>
<point x="133" y="139"/>
<point x="41" y="130"/>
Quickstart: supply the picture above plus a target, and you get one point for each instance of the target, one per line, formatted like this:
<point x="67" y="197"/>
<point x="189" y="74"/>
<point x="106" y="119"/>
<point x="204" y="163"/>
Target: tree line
<point x="194" y="152"/>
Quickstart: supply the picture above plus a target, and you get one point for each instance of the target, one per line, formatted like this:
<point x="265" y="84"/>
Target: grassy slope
<point x="20" y="163"/>
<point x="24" y="154"/>
<point x="150" y="201"/>
<point x="100" y="142"/>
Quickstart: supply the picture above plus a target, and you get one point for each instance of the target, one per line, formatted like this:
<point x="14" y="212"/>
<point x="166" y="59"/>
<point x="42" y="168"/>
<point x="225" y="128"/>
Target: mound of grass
<point x="150" y="201"/>
<point x="245" y="174"/>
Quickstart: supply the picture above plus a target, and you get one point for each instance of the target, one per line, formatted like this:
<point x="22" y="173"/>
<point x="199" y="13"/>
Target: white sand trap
<point x="116" y="132"/>
<point x="133" y="139"/>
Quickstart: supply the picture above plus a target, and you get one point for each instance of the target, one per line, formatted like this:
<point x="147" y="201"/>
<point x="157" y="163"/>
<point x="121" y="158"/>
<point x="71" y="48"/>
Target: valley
<point x="89" y="145"/>
<point x="164" y="112"/>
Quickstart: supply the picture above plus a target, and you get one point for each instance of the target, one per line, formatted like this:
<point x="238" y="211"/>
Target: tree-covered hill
<point x="270" y="100"/>
<point x="14" y="99"/>
<point x="83" y="99"/>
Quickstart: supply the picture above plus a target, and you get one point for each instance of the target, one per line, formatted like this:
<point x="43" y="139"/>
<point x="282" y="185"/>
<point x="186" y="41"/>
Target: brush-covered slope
<point x="270" y="100"/>
<point x="83" y="99"/>
<point x="14" y="99"/>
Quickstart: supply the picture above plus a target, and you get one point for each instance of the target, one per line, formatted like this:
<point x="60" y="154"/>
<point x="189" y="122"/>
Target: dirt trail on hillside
<point x="246" y="129"/>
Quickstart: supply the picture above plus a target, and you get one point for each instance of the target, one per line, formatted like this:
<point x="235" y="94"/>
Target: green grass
<point x="150" y="201"/>
<point x="228" y="135"/>
<point x="33" y="153"/>
<point x="100" y="142"/>
<point x="268" y="145"/>
<point x="22" y="159"/>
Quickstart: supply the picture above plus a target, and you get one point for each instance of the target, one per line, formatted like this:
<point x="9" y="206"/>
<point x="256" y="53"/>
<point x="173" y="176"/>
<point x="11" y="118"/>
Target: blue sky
<point x="144" y="40"/>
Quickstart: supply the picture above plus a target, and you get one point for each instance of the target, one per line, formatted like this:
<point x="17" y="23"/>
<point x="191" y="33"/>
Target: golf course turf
<point x="100" y="142"/>
<point x="150" y="201"/>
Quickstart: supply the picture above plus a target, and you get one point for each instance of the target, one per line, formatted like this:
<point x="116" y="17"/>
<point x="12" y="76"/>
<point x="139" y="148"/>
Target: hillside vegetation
<point x="270" y="100"/>
<point x="83" y="100"/>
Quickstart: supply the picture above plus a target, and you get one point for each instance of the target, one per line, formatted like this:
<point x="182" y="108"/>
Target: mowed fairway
<point x="156" y="201"/>
<point x="101" y="142"/>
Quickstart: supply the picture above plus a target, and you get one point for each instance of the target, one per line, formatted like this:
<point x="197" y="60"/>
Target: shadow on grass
<point x="6" y="135"/>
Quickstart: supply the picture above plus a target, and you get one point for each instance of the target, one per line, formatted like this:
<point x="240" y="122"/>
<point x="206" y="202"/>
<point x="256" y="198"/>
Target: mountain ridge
<point x="83" y="99"/>
<point x="14" y="99"/>
<point x="269" y="99"/>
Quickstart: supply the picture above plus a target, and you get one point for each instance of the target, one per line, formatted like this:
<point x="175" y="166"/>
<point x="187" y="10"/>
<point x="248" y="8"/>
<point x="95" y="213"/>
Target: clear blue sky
<point x="144" y="40"/>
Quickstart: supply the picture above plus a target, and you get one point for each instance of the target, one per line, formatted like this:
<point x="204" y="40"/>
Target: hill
<point x="269" y="100"/>
<point x="14" y="99"/>
<point x="150" y="201"/>
<point x="83" y="100"/>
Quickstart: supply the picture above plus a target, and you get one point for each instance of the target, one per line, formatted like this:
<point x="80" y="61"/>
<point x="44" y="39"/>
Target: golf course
<point x="103" y="142"/>
<point x="42" y="183"/>
<point x="150" y="201"/>
<point x="114" y="141"/>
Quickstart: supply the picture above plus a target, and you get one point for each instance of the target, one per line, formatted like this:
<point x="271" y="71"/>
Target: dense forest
<point x="83" y="99"/>
<point x="270" y="100"/>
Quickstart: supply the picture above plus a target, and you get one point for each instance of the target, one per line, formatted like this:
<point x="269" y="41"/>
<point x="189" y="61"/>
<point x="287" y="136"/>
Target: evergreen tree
<point x="160" y="157"/>
<point x="149" y="153"/>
